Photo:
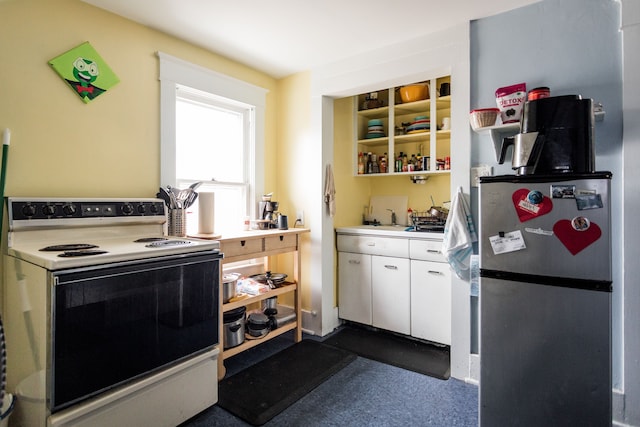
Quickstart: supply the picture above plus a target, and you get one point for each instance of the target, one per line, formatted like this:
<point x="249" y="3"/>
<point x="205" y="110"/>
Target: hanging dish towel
<point x="330" y="191"/>
<point x="459" y="236"/>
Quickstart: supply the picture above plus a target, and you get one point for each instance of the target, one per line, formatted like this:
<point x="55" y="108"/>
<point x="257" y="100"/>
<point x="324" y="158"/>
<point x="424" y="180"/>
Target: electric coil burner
<point x="108" y="313"/>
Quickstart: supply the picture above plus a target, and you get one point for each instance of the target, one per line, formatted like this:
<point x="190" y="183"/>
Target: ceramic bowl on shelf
<point x="375" y="129"/>
<point x="420" y="124"/>
<point x="416" y="92"/>
<point x="483" y="117"/>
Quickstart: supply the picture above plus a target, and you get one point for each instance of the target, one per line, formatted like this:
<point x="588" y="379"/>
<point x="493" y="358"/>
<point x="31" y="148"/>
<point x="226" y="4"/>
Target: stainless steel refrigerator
<point x="545" y="300"/>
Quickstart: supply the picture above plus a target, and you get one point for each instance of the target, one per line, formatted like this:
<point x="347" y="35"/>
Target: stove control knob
<point x="28" y="210"/>
<point x="142" y="209"/>
<point x="154" y="208"/>
<point x="49" y="210"/>
<point x="127" y="208"/>
<point x="69" y="209"/>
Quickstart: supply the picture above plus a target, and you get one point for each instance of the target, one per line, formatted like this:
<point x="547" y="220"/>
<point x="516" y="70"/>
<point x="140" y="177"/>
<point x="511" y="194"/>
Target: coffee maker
<point x="269" y="212"/>
<point x="556" y="136"/>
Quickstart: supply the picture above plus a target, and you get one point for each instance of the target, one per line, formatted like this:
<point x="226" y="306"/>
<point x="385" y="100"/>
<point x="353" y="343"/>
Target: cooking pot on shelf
<point x="270" y="306"/>
<point x="229" y="282"/>
<point x="274" y="280"/>
<point x="234" y="327"/>
<point x="258" y="325"/>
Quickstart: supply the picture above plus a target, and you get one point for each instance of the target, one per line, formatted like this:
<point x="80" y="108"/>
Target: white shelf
<point x="498" y="133"/>
<point x="432" y="143"/>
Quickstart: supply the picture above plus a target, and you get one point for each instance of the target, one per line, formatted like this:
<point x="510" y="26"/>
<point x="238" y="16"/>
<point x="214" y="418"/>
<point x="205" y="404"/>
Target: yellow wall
<point x="353" y="192"/>
<point x="292" y="163"/>
<point x="111" y="146"/>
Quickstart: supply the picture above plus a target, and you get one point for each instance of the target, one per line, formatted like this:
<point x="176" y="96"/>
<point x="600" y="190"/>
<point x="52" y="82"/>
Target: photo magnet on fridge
<point x="588" y="201"/>
<point x="563" y="191"/>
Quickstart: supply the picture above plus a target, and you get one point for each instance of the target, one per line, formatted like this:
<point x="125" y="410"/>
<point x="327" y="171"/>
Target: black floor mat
<point x="394" y="350"/>
<point x="265" y="389"/>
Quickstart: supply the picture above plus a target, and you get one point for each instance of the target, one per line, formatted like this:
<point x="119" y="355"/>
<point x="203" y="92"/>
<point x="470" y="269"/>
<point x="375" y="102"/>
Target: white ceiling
<point x="282" y="37"/>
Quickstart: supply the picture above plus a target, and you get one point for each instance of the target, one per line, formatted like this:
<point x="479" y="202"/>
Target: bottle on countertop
<point x="409" y="217"/>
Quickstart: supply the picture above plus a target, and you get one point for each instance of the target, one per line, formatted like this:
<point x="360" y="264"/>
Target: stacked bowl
<point x="419" y="124"/>
<point x="375" y="129"/>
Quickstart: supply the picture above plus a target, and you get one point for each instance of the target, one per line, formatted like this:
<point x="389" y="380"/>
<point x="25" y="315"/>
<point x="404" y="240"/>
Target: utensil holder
<point x="177" y="222"/>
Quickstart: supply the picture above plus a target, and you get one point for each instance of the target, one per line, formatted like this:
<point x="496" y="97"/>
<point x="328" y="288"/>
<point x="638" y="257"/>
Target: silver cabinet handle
<point x="391" y="267"/>
<point x="354" y="261"/>
<point x="371" y="243"/>
<point x="433" y="251"/>
<point x="439" y="273"/>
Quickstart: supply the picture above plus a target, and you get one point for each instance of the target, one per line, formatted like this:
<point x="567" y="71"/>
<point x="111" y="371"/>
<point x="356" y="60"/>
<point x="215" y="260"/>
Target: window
<point x="213" y="139"/>
<point x="212" y="130"/>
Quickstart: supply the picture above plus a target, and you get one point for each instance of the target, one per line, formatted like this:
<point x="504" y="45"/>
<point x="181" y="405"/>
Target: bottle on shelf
<point x="398" y="166"/>
<point x="369" y="164"/>
<point x="383" y="163"/>
<point x="360" y="164"/>
<point x="405" y="163"/>
<point x="374" y="163"/>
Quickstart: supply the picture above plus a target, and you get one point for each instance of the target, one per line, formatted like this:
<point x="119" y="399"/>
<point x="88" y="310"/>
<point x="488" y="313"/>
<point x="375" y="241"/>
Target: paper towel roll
<point x="206" y="208"/>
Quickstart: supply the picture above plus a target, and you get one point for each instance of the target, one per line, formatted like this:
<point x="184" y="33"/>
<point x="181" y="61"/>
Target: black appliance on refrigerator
<point x="545" y="281"/>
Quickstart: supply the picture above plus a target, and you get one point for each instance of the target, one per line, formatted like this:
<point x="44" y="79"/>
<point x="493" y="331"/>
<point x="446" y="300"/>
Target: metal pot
<point x="270" y="306"/>
<point x="234" y="327"/>
<point x="229" y="282"/>
<point x="438" y="212"/>
<point x="258" y="325"/>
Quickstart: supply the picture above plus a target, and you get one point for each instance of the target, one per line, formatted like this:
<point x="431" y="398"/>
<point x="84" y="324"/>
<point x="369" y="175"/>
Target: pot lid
<point x="275" y="277"/>
<point x="233" y="315"/>
<point x="230" y="277"/>
<point x="258" y="319"/>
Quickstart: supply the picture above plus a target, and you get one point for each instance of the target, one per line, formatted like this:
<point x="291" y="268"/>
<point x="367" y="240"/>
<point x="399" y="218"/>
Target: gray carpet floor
<point x="365" y="393"/>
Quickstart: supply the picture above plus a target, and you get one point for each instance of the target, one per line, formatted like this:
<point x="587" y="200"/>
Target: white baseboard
<point x="474" y="370"/>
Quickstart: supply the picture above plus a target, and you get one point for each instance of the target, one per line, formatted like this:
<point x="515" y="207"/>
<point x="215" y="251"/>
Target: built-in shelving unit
<point x="433" y="143"/>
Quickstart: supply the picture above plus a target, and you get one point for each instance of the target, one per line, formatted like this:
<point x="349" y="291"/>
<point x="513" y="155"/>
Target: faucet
<point x="393" y="216"/>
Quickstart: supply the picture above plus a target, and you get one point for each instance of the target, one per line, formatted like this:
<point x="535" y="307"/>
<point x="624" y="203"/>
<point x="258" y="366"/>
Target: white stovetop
<point x="117" y="241"/>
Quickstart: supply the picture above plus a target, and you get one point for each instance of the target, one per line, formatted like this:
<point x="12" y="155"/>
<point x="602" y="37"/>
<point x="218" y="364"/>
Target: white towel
<point x="330" y="191"/>
<point x="459" y="236"/>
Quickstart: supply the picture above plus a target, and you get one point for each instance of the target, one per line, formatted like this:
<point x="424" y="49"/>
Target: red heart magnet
<point x="526" y="209"/>
<point x="574" y="239"/>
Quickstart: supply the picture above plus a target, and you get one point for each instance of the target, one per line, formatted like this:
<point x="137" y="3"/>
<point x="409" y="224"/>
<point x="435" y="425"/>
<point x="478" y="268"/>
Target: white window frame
<point x="175" y="72"/>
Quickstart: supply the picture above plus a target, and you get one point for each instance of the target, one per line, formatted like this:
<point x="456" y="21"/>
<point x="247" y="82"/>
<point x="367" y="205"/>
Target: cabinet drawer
<point x="373" y="245"/>
<point x="281" y="241"/>
<point x="241" y="247"/>
<point x="427" y="250"/>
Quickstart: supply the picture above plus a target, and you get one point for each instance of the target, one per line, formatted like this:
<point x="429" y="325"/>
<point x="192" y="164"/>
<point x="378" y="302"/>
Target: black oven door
<point x="112" y="324"/>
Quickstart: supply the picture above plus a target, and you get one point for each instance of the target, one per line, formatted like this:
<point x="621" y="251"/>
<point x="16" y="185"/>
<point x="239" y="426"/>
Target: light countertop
<point x="390" y="231"/>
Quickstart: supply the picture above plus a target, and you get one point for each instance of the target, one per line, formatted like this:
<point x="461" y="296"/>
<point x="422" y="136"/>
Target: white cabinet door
<point x="391" y="292"/>
<point x="431" y="301"/>
<point x="354" y="287"/>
